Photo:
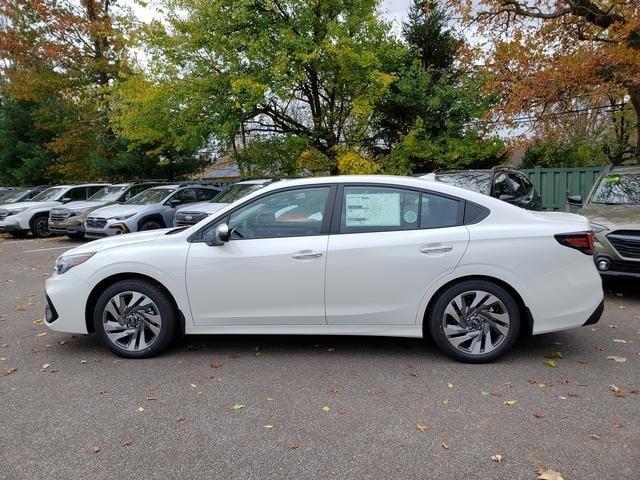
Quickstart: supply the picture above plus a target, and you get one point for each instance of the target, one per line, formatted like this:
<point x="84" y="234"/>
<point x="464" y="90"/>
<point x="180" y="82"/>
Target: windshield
<point x="234" y="192"/>
<point x="108" y="194"/>
<point x="618" y="189"/>
<point x="149" y="197"/>
<point x="477" y="182"/>
<point x="13" y="195"/>
<point x="49" y="194"/>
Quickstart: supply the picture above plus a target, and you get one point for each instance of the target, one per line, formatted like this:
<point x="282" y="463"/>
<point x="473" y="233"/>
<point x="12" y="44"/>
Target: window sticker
<point x="373" y="209"/>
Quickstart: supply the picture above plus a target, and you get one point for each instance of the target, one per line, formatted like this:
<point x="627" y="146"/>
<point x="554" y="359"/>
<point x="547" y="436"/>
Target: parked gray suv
<point x="69" y="219"/>
<point x="154" y="208"/>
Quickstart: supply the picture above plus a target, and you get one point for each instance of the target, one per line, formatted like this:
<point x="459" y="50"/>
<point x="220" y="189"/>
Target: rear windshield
<point x="151" y="196"/>
<point x="477" y="182"/>
<point x="618" y="189"/>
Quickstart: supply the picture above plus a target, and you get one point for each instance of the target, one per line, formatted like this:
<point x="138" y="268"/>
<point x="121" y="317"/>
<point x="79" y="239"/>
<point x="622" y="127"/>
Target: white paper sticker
<point x="373" y="209"/>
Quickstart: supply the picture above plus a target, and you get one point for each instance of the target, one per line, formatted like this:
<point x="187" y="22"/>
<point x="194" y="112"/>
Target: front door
<point x="271" y="272"/>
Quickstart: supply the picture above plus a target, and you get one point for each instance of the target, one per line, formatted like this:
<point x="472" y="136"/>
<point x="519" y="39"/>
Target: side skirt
<point x="410" y="331"/>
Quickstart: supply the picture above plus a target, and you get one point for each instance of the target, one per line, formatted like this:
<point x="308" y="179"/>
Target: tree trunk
<point x="634" y="94"/>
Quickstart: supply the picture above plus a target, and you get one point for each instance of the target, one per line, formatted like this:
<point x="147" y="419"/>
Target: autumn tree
<point x="555" y="57"/>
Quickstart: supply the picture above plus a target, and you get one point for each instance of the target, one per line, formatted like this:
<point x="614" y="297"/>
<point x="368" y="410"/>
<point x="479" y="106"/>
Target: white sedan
<point x="358" y="255"/>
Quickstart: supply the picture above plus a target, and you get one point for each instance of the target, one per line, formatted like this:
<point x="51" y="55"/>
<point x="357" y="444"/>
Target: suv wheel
<point x="150" y="225"/>
<point x="40" y="226"/>
<point x="134" y="319"/>
<point x="474" y="321"/>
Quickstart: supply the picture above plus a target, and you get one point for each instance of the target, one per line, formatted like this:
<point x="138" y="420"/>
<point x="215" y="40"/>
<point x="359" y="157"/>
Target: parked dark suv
<point x="505" y="184"/>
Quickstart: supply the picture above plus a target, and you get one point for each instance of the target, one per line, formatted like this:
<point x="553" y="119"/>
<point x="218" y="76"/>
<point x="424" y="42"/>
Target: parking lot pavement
<point x="310" y="407"/>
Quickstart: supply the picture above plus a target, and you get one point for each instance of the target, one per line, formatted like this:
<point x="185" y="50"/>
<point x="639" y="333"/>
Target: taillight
<point x="582" y="241"/>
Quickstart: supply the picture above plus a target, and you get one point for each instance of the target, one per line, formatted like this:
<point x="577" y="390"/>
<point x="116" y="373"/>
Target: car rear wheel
<point x="150" y="225"/>
<point x="40" y="226"/>
<point x="134" y="319"/>
<point x="474" y="321"/>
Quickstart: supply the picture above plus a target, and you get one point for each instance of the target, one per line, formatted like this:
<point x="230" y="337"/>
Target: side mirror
<point x="575" y="200"/>
<point x="506" y="198"/>
<point x="220" y="235"/>
<point x="66" y="200"/>
<point x="174" y="202"/>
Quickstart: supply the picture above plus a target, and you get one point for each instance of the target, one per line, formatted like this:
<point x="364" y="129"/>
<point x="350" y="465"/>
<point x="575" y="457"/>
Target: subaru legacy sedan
<point x="353" y="255"/>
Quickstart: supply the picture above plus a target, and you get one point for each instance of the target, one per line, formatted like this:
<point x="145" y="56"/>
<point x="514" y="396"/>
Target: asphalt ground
<point x="244" y="407"/>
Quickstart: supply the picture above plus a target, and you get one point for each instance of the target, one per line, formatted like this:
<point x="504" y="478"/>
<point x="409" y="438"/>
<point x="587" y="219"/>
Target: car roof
<point x="625" y="169"/>
<point x="257" y="181"/>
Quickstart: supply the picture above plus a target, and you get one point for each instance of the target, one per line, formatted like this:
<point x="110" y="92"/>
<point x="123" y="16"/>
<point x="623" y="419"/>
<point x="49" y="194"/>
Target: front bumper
<point x="10" y="227"/>
<point x="66" y="297"/>
<point x="108" y="231"/>
<point x="609" y="267"/>
<point x="72" y="227"/>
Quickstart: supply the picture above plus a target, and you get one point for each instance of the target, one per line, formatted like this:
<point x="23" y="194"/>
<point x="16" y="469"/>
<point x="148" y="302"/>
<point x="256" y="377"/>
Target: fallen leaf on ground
<point x="595" y="436"/>
<point x="510" y="402"/>
<point x="341" y="411"/>
<point x="294" y="445"/>
<point x="445" y="445"/>
<point x="234" y="356"/>
<point x="619" y="340"/>
<point x="326" y="408"/>
<point x="180" y="419"/>
<point x="127" y="443"/>
<point x="268" y="426"/>
<point x="238" y="406"/>
<point x="215" y="364"/>
<point x="150" y="398"/>
<point x="41" y="334"/>
<point x="141" y="409"/>
<point x="9" y="371"/>
<point x="550" y="475"/>
<point x="617" y="359"/>
<point x="618" y="424"/>
<point x="538" y="414"/>
<point x="556" y="355"/>
<point x="496" y="458"/>
<point x="550" y="363"/>
<point x="20" y="307"/>
<point x="582" y="362"/>
<point x="334" y="391"/>
<point x="193" y="385"/>
<point x="96" y="449"/>
<point x="38" y="321"/>
<point x="422" y="427"/>
<point x="484" y="392"/>
<point x="45" y="366"/>
<point x="371" y="392"/>
<point x="450" y="385"/>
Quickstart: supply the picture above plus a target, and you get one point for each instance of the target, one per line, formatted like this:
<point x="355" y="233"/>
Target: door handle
<point x="305" y="255"/>
<point x="437" y="249"/>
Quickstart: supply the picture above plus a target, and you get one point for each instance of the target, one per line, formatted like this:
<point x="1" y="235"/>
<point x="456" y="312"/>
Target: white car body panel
<point x="254" y="286"/>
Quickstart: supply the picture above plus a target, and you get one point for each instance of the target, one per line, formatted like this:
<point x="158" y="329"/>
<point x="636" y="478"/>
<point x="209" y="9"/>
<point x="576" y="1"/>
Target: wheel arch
<point x="525" y="313"/>
<point x="105" y="283"/>
<point x="156" y="217"/>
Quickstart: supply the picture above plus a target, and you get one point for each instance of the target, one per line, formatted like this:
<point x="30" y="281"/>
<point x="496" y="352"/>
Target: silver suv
<point x="154" y="208"/>
<point x="192" y="214"/>
<point x="69" y="219"/>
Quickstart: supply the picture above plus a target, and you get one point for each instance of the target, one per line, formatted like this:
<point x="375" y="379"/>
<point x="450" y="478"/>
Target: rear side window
<point x="374" y="209"/>
<point x="79" y="193"/>
<point x="206" y="194"/>
<point x="438" y="212"/>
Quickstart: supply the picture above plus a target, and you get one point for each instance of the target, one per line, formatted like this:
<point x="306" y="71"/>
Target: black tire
<point x="39" y="225"/>
<point x="436" y="322"/>
<point x="19" y="233"/>
<point x="150" y="225"/>
<point x="165" y="308"/>
<point x="76" y="236"/>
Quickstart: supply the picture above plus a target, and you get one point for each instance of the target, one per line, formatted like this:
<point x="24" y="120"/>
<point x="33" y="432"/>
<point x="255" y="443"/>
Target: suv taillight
<point x="582" y="241"/>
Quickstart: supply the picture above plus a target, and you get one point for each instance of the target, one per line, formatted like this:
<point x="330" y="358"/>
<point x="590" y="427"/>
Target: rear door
<point x="387" y="246"/>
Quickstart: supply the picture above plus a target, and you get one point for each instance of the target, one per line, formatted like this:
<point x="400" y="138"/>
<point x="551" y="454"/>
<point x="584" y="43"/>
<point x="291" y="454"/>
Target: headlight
<point x="122" y="217"/>
<point x="67" y="262"/>
<point x="13" y="211"/>
<point x="597" y="228"/>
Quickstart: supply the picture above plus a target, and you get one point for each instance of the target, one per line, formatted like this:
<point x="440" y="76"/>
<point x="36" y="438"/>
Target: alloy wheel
<point x="476" y="322"/>
<point x="42" y="227"/>
<point x="131" y="321"/>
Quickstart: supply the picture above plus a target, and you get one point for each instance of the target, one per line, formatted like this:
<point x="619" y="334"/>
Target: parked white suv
<point x="20" y="218"/>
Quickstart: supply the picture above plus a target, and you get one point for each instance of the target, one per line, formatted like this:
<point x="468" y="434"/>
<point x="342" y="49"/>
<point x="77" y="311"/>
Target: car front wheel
<point x="134" y="319"/>
<point x="40" y="226"/>
<point x="474" y="321"/>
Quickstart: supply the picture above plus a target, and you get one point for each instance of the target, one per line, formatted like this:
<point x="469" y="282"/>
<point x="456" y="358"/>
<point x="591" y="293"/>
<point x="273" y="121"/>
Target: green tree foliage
<point x="426" y="117"/>
<point x="23" y="157"/>
<point x="565" y="153"/>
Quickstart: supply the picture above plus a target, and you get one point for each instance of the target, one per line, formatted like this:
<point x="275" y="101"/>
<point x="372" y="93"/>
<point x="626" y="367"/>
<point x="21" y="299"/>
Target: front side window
<point x="291" y="213"/>
<point x="370" y="209"/>
<point x="54" y="193"/>
<point x="75" y="194"/>
<point x="188" y="195"/>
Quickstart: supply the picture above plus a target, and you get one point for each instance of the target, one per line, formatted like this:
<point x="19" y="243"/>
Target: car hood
<point x="118" y="241"/>
<point x="613" y="216"/>
<point x="17" y="205"/>
<point x="117" y="210"/>
<point x="83" y="205"/>
<point x="203" y="207"/>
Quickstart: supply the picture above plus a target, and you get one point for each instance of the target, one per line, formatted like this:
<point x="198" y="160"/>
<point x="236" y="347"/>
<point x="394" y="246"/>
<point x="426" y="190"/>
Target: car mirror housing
<point x="220" y="235"/>
<point x="506" y="198"/>
<point x="575" y="200"/>
<point x="66" y="200"/>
